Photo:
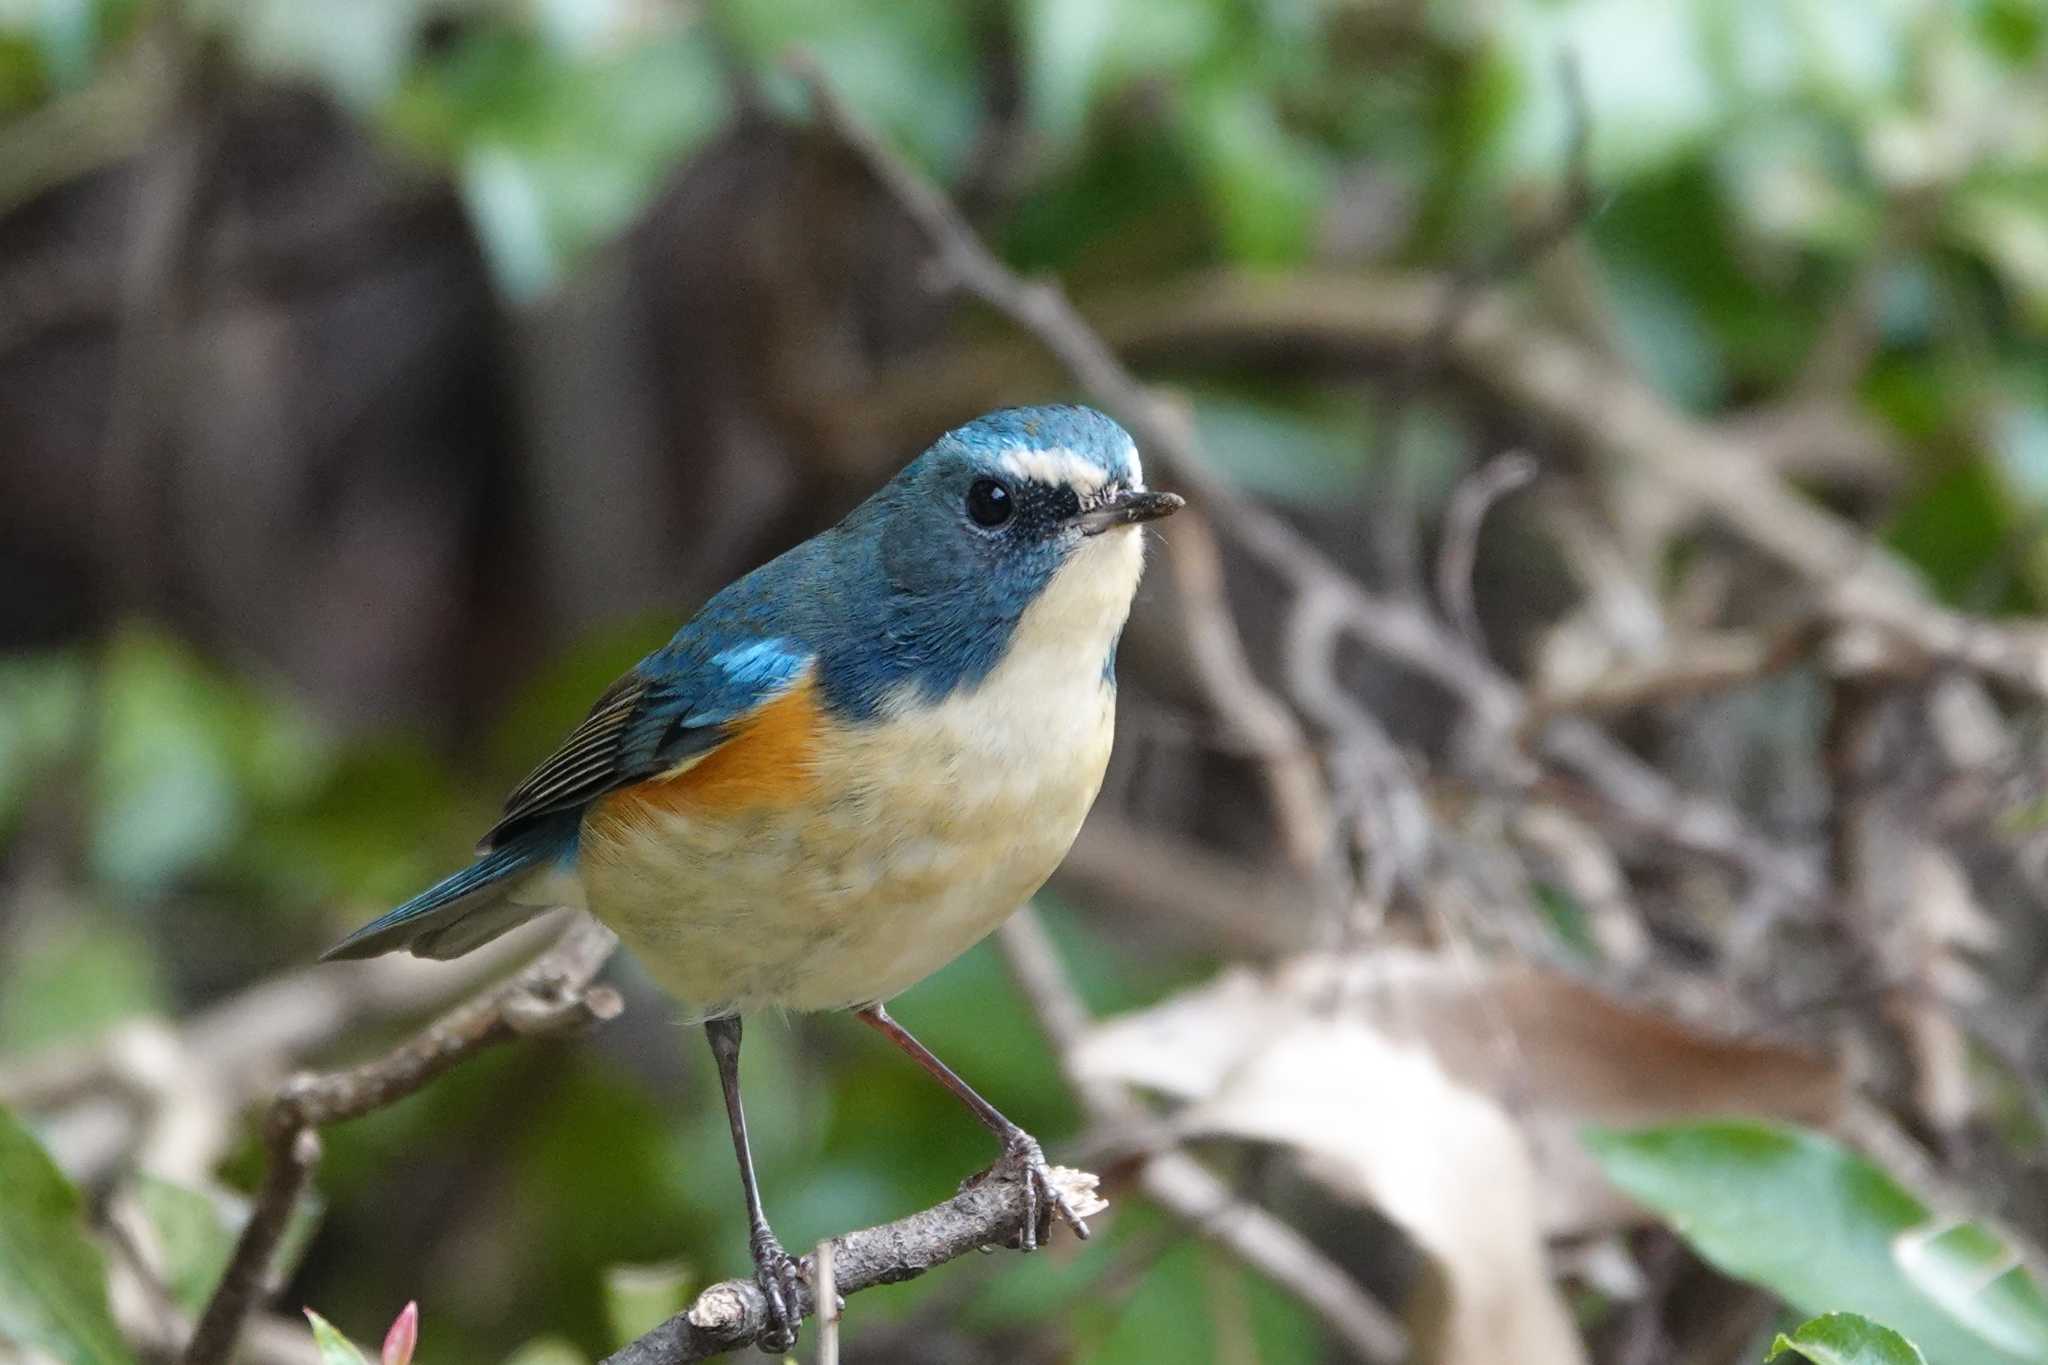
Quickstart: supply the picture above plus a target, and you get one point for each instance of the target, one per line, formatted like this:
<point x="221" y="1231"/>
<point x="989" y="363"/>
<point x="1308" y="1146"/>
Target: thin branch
<point x="233" y="1055"/>
<point x="294" y="1152"/>
<point x="1389" y="834"/>
<point x="1188" y="891"/>
<point x="1244" y="707"/>
<point x="553" y="995"/>
<point x="1475" y="496"/>
<point x="1703" y="665"/>
<point x="827" y="1275"/>
<point x="986" y="1213"/>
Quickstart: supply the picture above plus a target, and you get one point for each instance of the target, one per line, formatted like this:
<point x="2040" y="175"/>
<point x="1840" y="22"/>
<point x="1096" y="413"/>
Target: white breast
<point x="930" y="826"/>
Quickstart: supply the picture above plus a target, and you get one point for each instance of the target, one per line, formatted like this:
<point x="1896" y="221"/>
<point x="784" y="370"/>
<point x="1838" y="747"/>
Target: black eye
<point x="989" y="503"/>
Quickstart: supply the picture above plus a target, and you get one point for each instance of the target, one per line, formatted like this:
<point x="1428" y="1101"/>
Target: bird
<point x="851" y="765"/>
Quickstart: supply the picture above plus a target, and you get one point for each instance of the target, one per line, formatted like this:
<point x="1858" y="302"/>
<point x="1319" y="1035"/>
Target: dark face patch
<point x="1038" y="510"/>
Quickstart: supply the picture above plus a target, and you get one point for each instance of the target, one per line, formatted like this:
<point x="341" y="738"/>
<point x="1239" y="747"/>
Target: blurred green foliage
<point x="53" y="1294"/>
<point x="1827" y="1230"/>
<point x="1758" y="161"/>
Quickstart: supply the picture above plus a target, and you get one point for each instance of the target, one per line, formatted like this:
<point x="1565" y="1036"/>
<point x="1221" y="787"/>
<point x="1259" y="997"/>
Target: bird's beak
<point x="1128" y="507"/>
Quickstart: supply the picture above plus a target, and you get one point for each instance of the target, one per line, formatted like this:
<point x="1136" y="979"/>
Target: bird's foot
<point x="1043" y="1198"/>
<point x="781" y="1281"/>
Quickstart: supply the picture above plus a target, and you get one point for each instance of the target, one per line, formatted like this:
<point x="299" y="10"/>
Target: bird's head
<point x="1024" y="519"/>
<point x="1015" y="499"/>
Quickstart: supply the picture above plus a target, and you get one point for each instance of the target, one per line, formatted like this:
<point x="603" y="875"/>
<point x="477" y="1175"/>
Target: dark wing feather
<point x="674" y="705"/>
<point x="590" y="751"/>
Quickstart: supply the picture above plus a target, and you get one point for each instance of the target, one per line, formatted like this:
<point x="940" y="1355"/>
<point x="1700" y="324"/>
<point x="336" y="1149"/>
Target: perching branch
<point x="990" y="1212"/>
<point x="986" y="1213"/>
<point x="553" y="995"/>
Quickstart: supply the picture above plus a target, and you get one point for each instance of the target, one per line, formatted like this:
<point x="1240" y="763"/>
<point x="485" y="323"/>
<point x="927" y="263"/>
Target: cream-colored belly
<point x="923" y="830"/>
<point x="927" y="832"/>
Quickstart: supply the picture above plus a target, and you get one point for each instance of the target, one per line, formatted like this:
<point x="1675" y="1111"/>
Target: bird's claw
<point x="781" y="1280"/>
<point x="1043" y="1199"/>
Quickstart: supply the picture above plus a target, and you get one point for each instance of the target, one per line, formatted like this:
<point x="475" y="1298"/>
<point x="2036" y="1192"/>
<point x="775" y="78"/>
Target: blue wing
<point x="680" y="701"/>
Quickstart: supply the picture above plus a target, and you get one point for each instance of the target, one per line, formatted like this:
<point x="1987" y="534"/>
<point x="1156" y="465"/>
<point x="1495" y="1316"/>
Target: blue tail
<point x="464" y="911"/>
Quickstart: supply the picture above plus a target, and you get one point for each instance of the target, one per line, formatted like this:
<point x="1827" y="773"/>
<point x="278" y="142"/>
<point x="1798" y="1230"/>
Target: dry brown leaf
<point x="1381" y="1123"/>
<point x="1449" y="1095"/>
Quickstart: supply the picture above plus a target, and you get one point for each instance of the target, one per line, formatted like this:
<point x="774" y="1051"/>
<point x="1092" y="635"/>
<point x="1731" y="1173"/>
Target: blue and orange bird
<point x="852" y="765"/>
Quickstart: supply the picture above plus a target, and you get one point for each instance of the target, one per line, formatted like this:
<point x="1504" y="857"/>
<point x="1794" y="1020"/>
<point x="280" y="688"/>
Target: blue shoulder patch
<point x="765" y="665"/>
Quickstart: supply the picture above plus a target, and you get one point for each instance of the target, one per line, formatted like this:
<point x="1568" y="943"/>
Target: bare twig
<point x="179" y="1088"/>
<point x="733" y="1314"/>
<point x="1705" y="664"/>
<point x="294" y="1152"/>
<point x="827" y="1276"/>
<point x="552" y="995"/>
<point x="1379" y="803"/>
<point x="1475" y="496"/>
<point x="1244" y="707"/>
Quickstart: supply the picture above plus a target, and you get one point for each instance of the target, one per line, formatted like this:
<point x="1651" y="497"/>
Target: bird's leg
<point x="1042" y="1199"/>
<point x="775" y="1270"/>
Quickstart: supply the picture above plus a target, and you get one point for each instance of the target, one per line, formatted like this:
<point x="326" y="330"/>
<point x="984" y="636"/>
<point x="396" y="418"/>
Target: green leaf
<point x="53" y="1287"/>
<point x="2013" y="29"/>
<point x="184" y="754"/>
<point x="195" y="1229"/>
<point x="357" y="51"/>
<point x="910" y="69"/>
<point x="42" y="711"/>
<point x="556" y="149"/>
<point x="1848" y="1339"/>
<point x="1265" y="184"/>
<point x="1076" y="52"/>
<point x="639" y="1298"/>
<point x="1952" y="529"/>
<point x="548" y="1351"/>
<point x="195" y="1234"/>
<point x="335" y="1349"/>
<point x="1826" y="1230"/>
<point x="2002" y="218"/>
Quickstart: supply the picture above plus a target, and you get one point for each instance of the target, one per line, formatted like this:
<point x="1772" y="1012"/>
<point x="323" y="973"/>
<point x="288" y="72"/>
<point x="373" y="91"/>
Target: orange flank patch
<point x="767" y="762"/>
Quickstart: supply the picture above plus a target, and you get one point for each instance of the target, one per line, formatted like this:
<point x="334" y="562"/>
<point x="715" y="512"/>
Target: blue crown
<point x="1082" y="431"/>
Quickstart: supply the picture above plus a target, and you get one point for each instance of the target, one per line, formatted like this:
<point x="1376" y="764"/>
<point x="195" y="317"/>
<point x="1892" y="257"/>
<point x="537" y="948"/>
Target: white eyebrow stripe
<point x="1055" y="465"/>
